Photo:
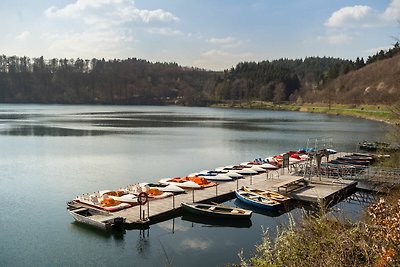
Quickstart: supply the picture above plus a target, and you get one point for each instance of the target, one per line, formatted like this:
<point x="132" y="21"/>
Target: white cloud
<point x="350" y="15"/>
<point x="220" y="60"/>
<point x="336" y="38"/>
<point x="87" y="44"/>
<point x="118" y="10"/>
<point x="364" y="16"/>
<point x="392" y="12"/>
<point x="225" y="42"/>
<point x="341" y="23"/>
<point x="23" y="36"/>
<point x="196" y="244"/>
<point x="165" y="31"/>
<point x="104" y="28"/>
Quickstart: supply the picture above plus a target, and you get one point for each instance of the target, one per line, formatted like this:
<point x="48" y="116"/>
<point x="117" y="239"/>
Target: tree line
<point x="137" y="81"/>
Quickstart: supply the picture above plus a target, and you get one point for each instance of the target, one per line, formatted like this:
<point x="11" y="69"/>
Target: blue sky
<point x="211" y="34"/>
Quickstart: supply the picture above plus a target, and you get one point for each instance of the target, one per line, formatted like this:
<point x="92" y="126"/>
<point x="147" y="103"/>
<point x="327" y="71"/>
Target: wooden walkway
<point x="162" y="209"/>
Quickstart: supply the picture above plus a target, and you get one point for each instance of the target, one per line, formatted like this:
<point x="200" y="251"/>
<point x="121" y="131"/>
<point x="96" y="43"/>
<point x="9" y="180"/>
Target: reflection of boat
<point x="216" y="211"/>
<point x="257" y="200"/>
<point x="210" y="221"/>
<point x="97" y="218"/>
<point x="268" y="194"/>
<point x="269" y="213"/>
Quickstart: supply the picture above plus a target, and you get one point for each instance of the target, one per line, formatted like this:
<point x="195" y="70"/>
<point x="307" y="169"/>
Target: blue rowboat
<point x="258" y="201"/>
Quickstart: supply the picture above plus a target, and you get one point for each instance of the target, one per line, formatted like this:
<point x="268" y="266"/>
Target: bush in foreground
<point x="323" y="241"/>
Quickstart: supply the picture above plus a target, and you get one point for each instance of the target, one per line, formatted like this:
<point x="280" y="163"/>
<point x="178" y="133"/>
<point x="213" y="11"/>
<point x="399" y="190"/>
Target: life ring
<point x="142" y="198"/>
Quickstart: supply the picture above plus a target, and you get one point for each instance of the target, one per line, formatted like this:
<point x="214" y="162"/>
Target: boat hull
<point x="256" y="201"/>
<point x="216" y="211"/>
<point x="96" y="218"/>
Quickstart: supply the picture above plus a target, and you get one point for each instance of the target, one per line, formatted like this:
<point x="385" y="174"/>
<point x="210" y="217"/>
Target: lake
<point x="52" y="153"/>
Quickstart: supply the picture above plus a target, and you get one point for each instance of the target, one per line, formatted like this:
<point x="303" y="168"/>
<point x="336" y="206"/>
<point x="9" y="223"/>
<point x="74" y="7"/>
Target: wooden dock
<point x="317" y="189"/>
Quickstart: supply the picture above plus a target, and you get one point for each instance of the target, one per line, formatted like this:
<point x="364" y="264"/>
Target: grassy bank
<point x="372" y="112"/>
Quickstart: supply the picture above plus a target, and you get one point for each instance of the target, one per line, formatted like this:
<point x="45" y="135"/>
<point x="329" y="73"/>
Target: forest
<point x="137" y="81"/>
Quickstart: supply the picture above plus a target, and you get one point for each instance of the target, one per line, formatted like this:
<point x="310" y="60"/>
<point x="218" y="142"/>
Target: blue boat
<point x="258" y="201"/>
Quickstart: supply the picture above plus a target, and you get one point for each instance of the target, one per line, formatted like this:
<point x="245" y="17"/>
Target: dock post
<point x="216" y="189"/>
<point x="193" y="195"/>
<point x="237" y="183"/>
<point x="140" y="211"/>
<point x="173" y="201"/>
<point x="251" y="179"/>
<point x="148" y="209"/>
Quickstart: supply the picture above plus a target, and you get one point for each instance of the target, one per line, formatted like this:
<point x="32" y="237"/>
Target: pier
<point x="299" y="181"/>
<point x="324" y="190"/>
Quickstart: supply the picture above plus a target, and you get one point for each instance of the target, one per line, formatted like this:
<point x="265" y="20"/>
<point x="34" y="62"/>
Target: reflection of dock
<point x="325" y="190"/>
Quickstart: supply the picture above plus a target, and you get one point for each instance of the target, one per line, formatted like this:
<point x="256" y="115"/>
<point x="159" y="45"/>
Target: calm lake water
<point x="51" y="153"/>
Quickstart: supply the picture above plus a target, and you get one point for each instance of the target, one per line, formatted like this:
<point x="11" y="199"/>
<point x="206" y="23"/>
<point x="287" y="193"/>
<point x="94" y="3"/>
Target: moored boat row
<point x="138" y="194"/>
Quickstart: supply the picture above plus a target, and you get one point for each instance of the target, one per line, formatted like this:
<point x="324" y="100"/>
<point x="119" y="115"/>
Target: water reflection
<point x="269" y="213"/>
<point x="143" y="243"/>
<point x="39" y="130"/>
<point x="85" y="229"/>
<point x="215" y="222"/>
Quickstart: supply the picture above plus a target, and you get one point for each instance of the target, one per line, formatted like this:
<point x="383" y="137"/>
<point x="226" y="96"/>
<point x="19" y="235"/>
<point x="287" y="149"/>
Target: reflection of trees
<point x="39" y="130"/>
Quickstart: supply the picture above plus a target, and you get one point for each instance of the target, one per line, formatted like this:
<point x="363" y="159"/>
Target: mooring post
<point x="251" y="179"/>
<point x="173" y="201"/>
<point x="216" y="189"/>
<point x="148" y="209"/>
<point x="140" y="211"/>
<point x="193" y="195"/>
<point x="237" y="183"/>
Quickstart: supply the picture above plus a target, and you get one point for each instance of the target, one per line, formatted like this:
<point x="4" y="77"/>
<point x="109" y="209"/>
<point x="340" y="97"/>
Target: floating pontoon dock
<point x="315" y="190"/>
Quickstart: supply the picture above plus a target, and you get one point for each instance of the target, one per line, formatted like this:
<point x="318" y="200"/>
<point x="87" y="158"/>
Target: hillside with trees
<point x="130" y="81"/>
<point x="137" y="81"/>
<point x="376" y="83"/>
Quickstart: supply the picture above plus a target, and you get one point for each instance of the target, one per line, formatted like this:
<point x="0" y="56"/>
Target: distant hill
<point x="376" y="83"/>
<point x="136" y="81"/>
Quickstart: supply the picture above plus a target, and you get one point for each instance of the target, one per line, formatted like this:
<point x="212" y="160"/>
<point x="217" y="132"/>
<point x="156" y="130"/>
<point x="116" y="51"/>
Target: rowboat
<point x="268" y="194"/>
<point x="216" y="211"/>
<point x="97" y="218"/>
<point x="257" y="200"/>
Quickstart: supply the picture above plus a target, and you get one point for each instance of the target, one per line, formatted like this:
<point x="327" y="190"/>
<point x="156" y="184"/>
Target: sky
<point x="209" y="34"/>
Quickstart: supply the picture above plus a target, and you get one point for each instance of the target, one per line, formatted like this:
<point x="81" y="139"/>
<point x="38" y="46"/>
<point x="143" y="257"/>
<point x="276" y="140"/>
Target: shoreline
<point x="380" y="113"/>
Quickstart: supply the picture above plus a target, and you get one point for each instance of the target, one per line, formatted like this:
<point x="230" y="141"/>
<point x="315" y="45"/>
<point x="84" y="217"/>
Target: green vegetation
<point x="372" y="112"/>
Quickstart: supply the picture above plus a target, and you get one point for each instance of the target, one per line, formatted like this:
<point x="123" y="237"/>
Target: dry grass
<point x="323" y="241"/>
